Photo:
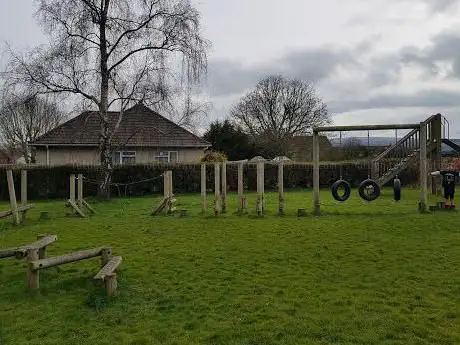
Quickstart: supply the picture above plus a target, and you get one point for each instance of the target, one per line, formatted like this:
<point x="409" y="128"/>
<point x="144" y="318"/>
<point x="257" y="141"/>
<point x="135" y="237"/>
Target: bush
<point x="214" y="157"/>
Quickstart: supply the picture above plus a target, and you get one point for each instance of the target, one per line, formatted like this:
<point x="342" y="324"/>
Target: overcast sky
<point x="373" y="61"/>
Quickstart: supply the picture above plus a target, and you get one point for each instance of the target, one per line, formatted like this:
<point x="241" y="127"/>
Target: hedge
<point x="53" y="182"/>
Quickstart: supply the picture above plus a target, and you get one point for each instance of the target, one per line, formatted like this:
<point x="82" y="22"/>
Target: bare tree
<point x="114" y="53"/>
<point x="23" y="119"/>
<point x="278" y="109"/>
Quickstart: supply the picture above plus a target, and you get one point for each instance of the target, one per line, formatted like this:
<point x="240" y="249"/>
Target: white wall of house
<point x="82" y="155"/>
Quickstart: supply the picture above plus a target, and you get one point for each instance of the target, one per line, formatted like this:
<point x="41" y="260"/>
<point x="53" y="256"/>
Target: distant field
<point x="376" y="273"/>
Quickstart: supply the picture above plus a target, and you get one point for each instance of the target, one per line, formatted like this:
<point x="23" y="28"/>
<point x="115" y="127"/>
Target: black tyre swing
<point x="369" y="190"/>
<point x="341" y="183"/>
<point x="346" y="190"/>
<point x="397" y="189"/>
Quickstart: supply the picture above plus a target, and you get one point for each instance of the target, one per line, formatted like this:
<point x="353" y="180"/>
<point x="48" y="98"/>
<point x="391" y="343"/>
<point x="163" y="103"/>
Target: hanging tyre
<point x="397" y="189"/>
<point x="369" y="190"/>
<point x="346" y="190"/>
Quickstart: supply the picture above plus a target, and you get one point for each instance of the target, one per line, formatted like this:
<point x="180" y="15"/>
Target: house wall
<point x="81" y="155"/>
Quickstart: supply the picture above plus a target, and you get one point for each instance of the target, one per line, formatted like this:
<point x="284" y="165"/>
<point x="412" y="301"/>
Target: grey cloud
<point x="425" y="98"/>
<point x="228" y="77"/>
<point x="440" y="5"/>
<point x="444" y="47"/>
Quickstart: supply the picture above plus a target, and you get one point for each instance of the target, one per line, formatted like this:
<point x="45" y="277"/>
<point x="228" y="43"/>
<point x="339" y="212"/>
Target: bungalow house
<point x="143" y="136"/>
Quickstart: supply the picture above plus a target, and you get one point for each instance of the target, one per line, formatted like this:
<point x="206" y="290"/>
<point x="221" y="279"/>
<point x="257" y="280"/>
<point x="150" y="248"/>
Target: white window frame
<point x="124" y="154"/>
<point x="166" y="154"/>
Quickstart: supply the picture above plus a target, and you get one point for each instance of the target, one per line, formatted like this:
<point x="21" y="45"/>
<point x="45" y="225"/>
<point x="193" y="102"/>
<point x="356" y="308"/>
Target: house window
<point x="167" y="156"/>
<point x="124" y="157"/>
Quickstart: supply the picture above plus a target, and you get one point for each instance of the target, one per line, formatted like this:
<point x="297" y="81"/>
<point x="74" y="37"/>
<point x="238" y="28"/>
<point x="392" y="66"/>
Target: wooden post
<point x="281" y="188"/>
<point x="316" y="200"/>
<point x="80" y="190"/>
<point x="423" y="169"/>
<point x="72" y="187"/>
<point x="12" y="193"/>
<point x="224" y="187"/>
<point x="106" y="255"/>
<point x="170" y="180"/>
<point x="217" y="206"/>
<point x="24" y="193"/>
<point x="436" y="151"/>
<point x="260" y="189"/>
<point x="241" y="200"/>
<point x="204" y="204"/>
<point x="110" y="282"/>
<point x="166" y="184"/>
<point x="33" y="275"/>
<point x="42" y="250"/>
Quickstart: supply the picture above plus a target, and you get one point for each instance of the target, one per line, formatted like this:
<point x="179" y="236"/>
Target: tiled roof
<point x="140" y="126"/>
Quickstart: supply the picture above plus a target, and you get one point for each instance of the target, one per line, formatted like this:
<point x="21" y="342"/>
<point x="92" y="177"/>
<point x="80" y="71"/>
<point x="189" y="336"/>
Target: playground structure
<point x="18" y="212"/>
<point x="79" y="206"/>
<point x="37" y="260"/>
<point x="423" y="142"/>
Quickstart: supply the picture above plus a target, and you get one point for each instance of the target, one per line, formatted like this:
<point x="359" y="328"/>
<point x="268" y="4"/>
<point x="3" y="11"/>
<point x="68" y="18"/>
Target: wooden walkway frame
<point x="422" y="126"/>
<point x="19" y="213"/>
<point x="107" y="272"/>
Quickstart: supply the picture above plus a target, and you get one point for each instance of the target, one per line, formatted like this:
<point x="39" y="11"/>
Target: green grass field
<point x="362" y="273"/>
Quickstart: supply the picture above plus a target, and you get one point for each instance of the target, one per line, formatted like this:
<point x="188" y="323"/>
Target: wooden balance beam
<point x="107" y="273"/>
<point x="21" y="252"/>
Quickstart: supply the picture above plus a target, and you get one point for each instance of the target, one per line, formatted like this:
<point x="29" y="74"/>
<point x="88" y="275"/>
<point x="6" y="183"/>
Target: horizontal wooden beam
<point x="366" y="127"/>
<point x="43" y="242"/>
<point x="64" y="259"/>
<point x="20" y="209"/>
<point x="8" y="252"/>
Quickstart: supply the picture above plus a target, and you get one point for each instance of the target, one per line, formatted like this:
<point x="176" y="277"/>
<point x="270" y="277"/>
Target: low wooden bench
<point x="108" y="276"/>
<point x="40" y="247"/>
<point x="108" y="263"/>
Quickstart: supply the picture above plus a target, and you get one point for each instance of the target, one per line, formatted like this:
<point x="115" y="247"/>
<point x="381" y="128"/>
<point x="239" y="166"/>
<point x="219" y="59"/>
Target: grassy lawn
<point x="362" y="273"/>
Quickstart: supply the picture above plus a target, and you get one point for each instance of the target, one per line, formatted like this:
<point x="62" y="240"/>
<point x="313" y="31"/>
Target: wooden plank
<point x="281" y="188"/>
<point x="80" y="190"/>
<point x="165" y="184"/>
<point x="224" y="187"/>
<point x="43" y="242"/>
<point x="217" y="205"/>
<point x="160" y="207"/>
<point x="64" y="259"/>
<point x="76" y="208"/>
<point x="204" y="204"/>
<point x="8" y="252"/>
<point x="23" y="193"/>
<point x="33" y="276"/>
<point x="88" y="206"/>
<point x="109" y="268"/>
<point x="423" y="168"/>
<point x="20" y="209"/>
<point x="316" y="200"/>
<point x="12" y="193"/>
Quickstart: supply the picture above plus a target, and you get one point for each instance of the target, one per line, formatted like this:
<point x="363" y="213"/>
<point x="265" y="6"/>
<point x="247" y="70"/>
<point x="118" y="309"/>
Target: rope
<point x="117" y="184"/>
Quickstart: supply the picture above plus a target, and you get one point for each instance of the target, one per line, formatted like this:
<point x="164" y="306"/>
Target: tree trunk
<point x="105" y="145"/>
